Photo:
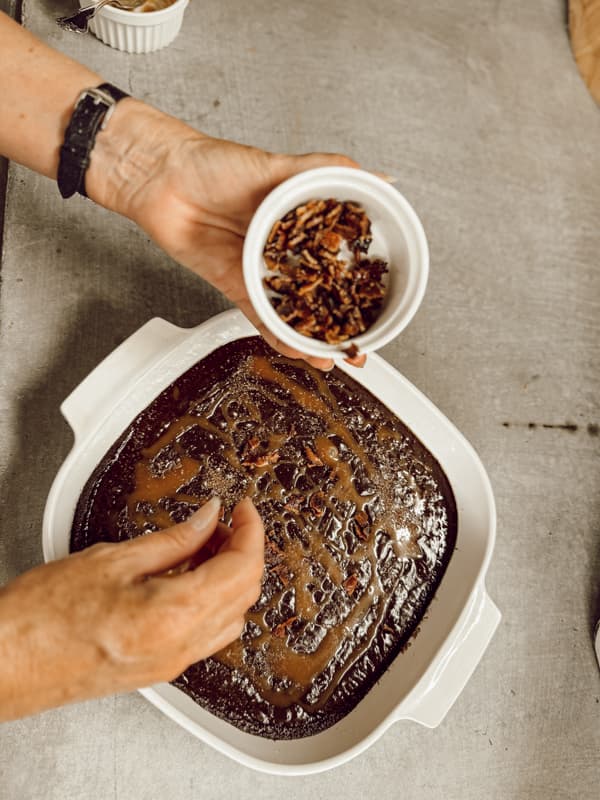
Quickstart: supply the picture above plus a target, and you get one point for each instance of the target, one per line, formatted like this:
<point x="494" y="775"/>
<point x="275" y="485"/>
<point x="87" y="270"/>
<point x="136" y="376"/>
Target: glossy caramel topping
<point x="356" y="524"/>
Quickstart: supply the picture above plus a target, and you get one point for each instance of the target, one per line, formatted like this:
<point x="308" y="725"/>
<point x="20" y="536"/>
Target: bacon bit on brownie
<point x="314" y="459"/>
<point x="294" y="503"/>
<point x="362" y="527"/>
<point x="362" y="518"/>
<point x="283" y="572"/>
<point x="317" y="503"/>
<point x="361" y="533"/>
<point x="280" y="630"/>
<point x="316" y="291"/>
<point x="273" y="554"/>
<point x="250" y="447"/>
<point x="350" y="584"/>
<point x="263" y="460"/>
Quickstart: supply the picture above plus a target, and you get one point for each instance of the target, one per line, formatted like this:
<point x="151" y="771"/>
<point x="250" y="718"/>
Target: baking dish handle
<point x="452" y="673"/>
<point x="96" y="394"/>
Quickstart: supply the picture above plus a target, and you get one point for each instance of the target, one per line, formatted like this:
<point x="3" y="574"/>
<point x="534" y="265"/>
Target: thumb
<point x="159" y="551"/>
<point x="315" y="160"/>
<point x="285" y="166"/>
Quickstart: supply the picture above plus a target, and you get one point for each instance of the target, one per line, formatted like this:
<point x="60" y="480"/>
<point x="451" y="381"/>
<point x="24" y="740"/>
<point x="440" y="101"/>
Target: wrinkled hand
<point x="109" y="619"/>
<point x="193" y="194"/>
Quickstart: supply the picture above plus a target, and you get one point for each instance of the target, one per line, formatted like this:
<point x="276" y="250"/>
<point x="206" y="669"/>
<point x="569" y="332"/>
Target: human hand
<point x="116" y="617"/>
<point x="195" y="195"/>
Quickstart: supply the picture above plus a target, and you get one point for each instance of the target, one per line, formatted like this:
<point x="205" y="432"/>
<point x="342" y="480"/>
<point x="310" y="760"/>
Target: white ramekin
<point x="138" y="32"/>
<point x="398" y="237"/>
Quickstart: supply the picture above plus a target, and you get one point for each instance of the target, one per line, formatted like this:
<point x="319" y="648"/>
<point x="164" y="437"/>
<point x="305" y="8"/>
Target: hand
<point x="193" y="194"/>
<point x="106" y="620"/>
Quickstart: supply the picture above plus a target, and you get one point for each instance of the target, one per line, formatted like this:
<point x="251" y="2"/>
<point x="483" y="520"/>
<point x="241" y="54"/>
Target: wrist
<point x="132" y="150"/>
<point x="116" y="167"/>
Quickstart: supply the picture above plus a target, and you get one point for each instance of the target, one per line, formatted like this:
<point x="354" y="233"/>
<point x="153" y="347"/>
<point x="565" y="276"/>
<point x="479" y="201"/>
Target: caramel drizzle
<point x="262" y="368"/>
<point x="150" y="488"/>
<point x="301" y="669"/>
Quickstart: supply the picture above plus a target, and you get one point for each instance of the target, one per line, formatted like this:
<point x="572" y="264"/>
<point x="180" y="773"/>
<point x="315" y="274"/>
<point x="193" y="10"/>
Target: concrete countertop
<point x="479" y="110"/>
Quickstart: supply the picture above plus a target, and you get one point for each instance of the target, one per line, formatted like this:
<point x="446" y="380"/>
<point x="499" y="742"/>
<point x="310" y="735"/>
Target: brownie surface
<point x="360" y="524"/>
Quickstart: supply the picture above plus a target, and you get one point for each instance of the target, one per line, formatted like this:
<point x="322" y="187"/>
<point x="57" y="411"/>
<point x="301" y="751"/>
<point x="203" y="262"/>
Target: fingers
<point x="384" y="176"/>
<point x="229" y="634"/>
<point x="248" y="533"/>
<point x="199" y="649"/>
<point x="243" y="301"/>
<point x="324" y="364"/>
<point x="237" y="569"/>
<point x="220" y="538"/>
<point x="156" y="552"/>
<point x="286" y="166"/>
<point x="357" y="361"/>
<point x="202" y="610"/>
<point x="314" y="160"/>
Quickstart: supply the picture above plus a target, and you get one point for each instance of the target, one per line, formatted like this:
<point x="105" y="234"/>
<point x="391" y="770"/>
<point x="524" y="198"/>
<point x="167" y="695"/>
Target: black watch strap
<point x="92" y="111"/>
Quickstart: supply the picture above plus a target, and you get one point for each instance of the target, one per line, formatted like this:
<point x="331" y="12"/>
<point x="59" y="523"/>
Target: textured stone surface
<point x="479" y="110"/>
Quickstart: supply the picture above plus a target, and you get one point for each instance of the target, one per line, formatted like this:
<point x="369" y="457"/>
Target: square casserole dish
<point x="422" y="682"/>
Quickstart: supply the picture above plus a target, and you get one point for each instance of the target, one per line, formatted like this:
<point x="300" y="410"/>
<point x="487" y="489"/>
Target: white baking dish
<point x="424" y="681"/>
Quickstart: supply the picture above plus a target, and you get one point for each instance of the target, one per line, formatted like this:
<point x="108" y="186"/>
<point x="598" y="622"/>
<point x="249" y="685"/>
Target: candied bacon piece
<point x="350" y="584"/>
<point x="254" y="460"/>
<point x="283" y="573"/>
<point x="294" y="503"/>
<point x="317" y="504"/>
<point x="362" y="525"/>
<point x="315" y="290"/>
<point x="313" y="458"/>
<point x="280" y="630"/>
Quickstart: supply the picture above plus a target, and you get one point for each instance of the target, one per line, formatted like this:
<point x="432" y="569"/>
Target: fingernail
<point x="358" y="362"/>
<point x="200" y="519"/>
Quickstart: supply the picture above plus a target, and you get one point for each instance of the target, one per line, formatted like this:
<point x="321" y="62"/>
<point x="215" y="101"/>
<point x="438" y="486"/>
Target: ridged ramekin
<point x="140" y="32"/>
<point x="398" y="238"/>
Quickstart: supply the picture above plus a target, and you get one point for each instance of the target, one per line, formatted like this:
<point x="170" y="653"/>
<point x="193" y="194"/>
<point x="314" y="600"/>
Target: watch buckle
<point x="99" y="96"/>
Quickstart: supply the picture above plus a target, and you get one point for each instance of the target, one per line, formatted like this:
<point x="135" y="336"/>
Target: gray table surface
<point x="478" y="108"/>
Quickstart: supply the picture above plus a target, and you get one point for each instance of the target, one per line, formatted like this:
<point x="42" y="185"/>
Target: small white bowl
<point x="138" y="32"/>
<point x="398" y="237"/>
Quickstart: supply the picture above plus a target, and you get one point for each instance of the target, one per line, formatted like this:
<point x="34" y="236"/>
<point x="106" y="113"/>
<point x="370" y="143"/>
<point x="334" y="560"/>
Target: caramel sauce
<point x="317" y="473"/>
<point x="261" y="367"/>
<point x="299" y="669"/>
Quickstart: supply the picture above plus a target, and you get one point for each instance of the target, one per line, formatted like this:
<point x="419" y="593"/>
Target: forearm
<point x="14" y="663"/>
<point x="33" y="675"/>
<point x="193" y="194"/>
<point x="39" y="89"/>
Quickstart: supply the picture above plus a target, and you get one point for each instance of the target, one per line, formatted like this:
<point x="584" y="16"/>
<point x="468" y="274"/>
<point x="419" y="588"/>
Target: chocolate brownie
<point x="360" y="524"/>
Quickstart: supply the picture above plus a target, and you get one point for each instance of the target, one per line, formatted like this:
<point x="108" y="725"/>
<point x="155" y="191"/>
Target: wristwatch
<point x="93" y="109"/>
